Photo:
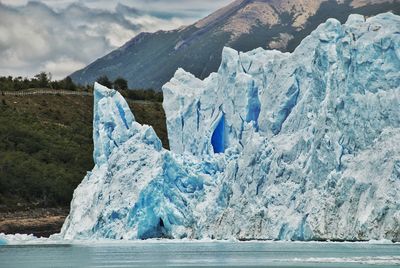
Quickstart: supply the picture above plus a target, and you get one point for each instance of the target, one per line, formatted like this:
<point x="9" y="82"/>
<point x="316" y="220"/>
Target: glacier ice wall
<point x="300" y="146"/>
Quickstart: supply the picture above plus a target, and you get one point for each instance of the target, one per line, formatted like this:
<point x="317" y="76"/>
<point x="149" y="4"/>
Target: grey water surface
<point x="201" y="254"/>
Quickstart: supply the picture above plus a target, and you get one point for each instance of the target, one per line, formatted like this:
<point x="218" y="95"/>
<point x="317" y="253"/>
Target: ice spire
<point x="112" y="122"/>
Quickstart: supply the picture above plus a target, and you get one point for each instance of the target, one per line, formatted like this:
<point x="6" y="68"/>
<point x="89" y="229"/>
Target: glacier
<point x="274" y="146"/>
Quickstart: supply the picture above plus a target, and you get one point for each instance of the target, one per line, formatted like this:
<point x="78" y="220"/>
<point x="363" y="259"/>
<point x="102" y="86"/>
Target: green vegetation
<point x="120" y="84"/>
<point x="46" y="144"/>
<point x="144" y="95"/>
<point x="45" y="149"/>
<point x="41" y="80"/>
<point x="103" y="80"/>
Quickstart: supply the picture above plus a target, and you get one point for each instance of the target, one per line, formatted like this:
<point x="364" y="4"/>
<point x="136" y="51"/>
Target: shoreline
<point x="41" y="222"/>
<point x="44" y="222"/>
<point x="25" y="239"/>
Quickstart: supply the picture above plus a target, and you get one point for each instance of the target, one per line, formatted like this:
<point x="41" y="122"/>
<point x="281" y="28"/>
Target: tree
<point x="103" y="80"/>
<point x="121" y="84"/>
<point x="69" y="84"/>
<point x="42" y="80"/>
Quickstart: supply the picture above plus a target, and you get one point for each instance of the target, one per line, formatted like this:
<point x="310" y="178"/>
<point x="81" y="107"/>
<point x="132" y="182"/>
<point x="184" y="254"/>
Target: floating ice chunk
<point x="3" y="240"/>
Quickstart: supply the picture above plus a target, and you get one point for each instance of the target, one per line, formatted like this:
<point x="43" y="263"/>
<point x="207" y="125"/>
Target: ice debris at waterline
<point x="300" y="146"/>
<point x="24" y="239"/>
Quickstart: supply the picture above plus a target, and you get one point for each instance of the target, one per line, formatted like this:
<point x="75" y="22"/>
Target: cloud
<point x="169" y="6"/>
<point x="65" y="35"/>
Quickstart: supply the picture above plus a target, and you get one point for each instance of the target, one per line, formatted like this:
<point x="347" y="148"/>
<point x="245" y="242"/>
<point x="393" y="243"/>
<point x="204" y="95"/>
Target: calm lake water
<point x="201" y="254"/>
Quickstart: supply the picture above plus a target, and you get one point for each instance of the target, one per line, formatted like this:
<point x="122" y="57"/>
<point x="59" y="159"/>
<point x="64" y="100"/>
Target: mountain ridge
<point x="149" y="60"/>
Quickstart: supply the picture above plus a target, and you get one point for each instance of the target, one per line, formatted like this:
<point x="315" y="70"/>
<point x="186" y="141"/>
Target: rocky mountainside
<point x="150" y="59"/>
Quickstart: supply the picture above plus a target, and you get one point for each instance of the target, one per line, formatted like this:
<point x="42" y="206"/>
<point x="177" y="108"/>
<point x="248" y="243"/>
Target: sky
<point x="62" y="36"/>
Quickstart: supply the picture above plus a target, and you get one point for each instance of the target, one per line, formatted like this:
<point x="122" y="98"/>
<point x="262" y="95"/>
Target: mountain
<point x="287" y="146"/>
<point x="150" y="59"/>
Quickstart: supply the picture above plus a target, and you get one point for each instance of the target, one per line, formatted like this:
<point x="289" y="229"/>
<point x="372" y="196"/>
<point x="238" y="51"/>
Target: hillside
<point x="46" y="146"/>
<point x="150" y="59"/>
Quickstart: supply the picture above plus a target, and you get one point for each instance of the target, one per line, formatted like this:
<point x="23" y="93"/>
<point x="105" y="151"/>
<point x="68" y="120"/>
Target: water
<point x="201" y="254"/>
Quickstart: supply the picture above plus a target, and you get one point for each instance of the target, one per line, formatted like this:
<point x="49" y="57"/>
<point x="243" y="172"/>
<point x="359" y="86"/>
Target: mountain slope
<point x="150" y="59"/>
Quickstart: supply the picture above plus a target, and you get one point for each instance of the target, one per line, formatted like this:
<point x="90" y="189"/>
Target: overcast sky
<point x="62" y="36"/>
